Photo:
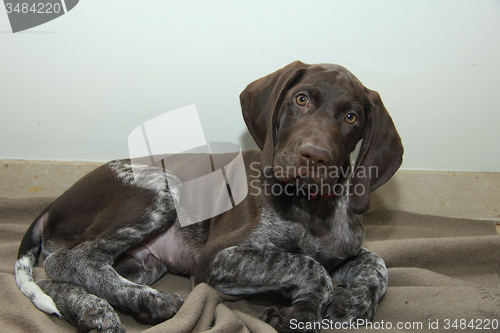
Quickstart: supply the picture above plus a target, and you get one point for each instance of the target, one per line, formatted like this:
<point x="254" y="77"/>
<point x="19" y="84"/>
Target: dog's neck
<point x="317" y="214"/>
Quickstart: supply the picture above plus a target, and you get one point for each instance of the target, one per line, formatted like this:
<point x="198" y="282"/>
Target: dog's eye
<point x="350" y="118"/>
<point x="302" y="100"/>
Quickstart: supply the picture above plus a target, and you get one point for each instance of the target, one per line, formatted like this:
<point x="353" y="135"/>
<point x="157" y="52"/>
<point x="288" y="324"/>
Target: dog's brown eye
<point x="350" y="118"/>
<point x="302" y="100"/>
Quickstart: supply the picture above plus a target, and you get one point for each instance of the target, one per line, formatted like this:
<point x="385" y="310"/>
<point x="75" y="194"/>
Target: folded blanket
<point x="444" y="276"/>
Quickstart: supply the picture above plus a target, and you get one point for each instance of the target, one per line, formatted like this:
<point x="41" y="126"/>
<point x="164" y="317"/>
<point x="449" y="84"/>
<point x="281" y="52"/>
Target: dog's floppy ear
<point x="261" y="101"/>
<point x="380" y="155"/>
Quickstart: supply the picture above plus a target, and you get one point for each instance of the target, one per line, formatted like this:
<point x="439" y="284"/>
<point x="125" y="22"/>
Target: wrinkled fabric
<point x="442" y="272"/>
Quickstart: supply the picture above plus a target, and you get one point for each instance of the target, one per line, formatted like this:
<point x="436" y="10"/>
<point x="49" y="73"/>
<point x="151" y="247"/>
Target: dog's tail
<point x="28" y="254"/>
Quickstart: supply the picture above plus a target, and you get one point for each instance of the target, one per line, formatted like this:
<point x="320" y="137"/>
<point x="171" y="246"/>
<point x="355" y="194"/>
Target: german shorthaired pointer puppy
<point x="326" y="142"/>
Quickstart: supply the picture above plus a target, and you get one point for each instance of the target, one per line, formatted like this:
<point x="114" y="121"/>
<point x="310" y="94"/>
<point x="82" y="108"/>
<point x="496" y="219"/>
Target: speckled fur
<point x="362" y="281"/>
<point x="303" y="273"/>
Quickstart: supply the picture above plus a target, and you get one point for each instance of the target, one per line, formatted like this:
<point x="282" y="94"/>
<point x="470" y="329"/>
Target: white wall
<point x="74" y="88"/>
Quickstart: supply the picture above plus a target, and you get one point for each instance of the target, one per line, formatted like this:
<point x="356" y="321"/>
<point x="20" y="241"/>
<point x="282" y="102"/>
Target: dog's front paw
<point x="98" y="316"/>
<point x="291" y="319"/>
<point x="158" y="306"/>
<point x="351" y="302"/>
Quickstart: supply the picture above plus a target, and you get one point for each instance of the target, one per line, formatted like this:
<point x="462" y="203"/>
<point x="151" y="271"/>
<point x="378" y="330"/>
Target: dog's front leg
<point x="363" y="281"/>
<point x="238" y="271"/>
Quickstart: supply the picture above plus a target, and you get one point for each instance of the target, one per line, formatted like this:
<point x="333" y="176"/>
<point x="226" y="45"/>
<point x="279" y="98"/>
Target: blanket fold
<point x="441" y="270"/>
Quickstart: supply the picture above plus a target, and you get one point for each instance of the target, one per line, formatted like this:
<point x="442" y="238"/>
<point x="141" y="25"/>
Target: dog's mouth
<point x="309" y="187"/>
<point x="311" y="181"/>
<point x="314" y="188"/>
<point x="309" y="175"/>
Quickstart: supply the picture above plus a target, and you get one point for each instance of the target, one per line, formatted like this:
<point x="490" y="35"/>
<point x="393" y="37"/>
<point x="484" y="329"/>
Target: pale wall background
<point x="74" y="88"/>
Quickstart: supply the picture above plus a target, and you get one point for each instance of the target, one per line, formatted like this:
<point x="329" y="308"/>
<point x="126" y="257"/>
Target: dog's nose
<point x="311" y="154"/>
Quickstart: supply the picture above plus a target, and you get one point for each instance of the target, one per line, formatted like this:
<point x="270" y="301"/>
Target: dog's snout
<point x="312" y="154"/>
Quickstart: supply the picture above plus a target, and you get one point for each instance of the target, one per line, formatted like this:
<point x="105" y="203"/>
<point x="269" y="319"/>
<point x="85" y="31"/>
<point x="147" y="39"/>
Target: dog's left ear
<point x="380" y="155"/>
<point x="261" y="101"/>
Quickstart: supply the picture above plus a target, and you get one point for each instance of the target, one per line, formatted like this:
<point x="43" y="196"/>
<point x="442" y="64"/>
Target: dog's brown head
<point x="307" y="119"/>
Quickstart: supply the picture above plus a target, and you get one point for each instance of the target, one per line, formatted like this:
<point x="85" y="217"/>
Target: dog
<point x="326" y="142"/>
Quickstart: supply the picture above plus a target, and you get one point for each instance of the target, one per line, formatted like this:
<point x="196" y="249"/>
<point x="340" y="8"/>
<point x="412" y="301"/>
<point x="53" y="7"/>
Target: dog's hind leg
<point x="90" y="264"/>
<point x="363" y="281"/>
<point x="86" y="311"/>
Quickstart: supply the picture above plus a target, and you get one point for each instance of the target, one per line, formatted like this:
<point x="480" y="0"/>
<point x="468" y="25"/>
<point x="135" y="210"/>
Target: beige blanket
<point x="443" y="277"/>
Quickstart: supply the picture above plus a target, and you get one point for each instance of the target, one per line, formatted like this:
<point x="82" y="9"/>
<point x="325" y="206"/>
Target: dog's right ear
<point x="262" y="99"/>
